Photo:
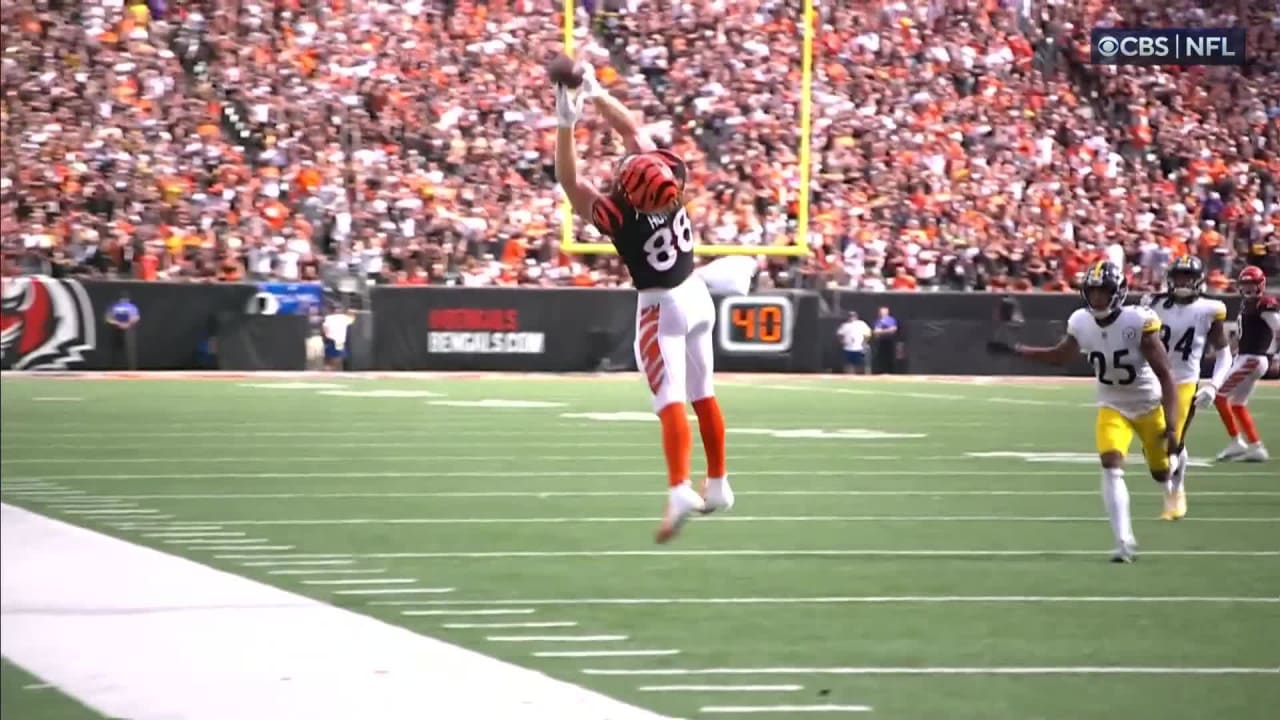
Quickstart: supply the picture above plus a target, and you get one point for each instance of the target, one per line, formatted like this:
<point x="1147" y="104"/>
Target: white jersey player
<point x="1189" y="324"/>
<point x="1135" y="388"/>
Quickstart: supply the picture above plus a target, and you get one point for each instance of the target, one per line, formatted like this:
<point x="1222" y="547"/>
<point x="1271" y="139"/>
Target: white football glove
<point x="1205" y="395"/>
<point x="591" y="87"/>
<point x="568" y="105"/>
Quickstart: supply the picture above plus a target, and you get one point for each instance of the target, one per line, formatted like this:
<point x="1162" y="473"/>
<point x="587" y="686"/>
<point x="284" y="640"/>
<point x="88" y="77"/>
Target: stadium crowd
<point x="957" y="144"/>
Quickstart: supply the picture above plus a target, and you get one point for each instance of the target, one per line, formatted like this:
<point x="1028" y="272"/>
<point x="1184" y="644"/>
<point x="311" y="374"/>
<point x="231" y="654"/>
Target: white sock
<point x="1115" y="496"/>
<point x="1179" y="477"/>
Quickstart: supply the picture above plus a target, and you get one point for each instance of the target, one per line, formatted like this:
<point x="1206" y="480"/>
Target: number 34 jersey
<point x="1185" y="331"/>
<point x="1126" y="383"/>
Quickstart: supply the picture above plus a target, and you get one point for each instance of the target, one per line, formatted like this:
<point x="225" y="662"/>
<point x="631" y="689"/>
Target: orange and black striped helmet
<point x="648" y="183"/>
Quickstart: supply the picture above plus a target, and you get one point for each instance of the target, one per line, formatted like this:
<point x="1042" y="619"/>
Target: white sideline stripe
<point x="274" y="563"/>
<point x="319" y="571"/>
<point x="362" y="581"/>
<point x="588" y="474"/>
<point x="1100" y="670"/>
<point x="95" y="616"/>
<point x="716" y="519"/>
<point x="868" y="599"/>
<point x="720" y="688"/>
<point x="509" y="625"/>
<point x="397" y="591"/>
<point x="496" y="611"/>
<point x="216" y="541"/>
<point x="192" y="534"/>
<point x="603" y="653"/>
<point x="655" y="493"/>
<point x="555" y="638"/>
<point x="748" y="709"/>
<point x="480" y="554"/>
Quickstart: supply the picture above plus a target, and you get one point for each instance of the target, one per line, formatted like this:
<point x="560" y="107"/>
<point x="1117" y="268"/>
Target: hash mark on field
<point x="74" y="500"/>
<point x="603" y="653"/>
<point x="335" y="571"/>
<point x="217" y="541"/>
<point x="396" y="591"/>
<point x="720" y="688"/>
<point x="509" y="625"/>
<point x="1096" y="670"/>
<point x="111" y="511"/>
<point x="747" y="709"/>
<point x="555" y="638"/>
<point x="362" y="581"/>
<point x="494" y="611"/>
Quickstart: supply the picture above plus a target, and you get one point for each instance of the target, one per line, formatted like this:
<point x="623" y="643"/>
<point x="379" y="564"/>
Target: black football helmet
<point x="1185" y="278"/>
<point x="1107" y="276"/>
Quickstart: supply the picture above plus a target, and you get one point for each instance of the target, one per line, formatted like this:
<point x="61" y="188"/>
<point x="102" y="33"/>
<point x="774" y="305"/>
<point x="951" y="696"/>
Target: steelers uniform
<point x="1184" y="330"/>
<point x="1128" y="391"/>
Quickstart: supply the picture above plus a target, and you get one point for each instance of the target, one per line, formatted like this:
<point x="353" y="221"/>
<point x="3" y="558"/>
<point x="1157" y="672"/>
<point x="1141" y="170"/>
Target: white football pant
<point x="673" y="342"/>
<point x="1246" y="370"/>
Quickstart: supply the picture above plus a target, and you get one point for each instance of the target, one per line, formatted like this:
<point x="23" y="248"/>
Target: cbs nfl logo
<point x="1167" y="46"/>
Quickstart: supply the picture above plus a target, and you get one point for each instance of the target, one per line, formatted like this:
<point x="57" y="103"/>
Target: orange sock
<point x="1245" y="420"/>
<point x="711" y="427"/>
<point x="677" y="441"/>
<point x="1224" y="412"/>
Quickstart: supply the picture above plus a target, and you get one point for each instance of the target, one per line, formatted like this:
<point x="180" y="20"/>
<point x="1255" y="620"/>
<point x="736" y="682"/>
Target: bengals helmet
<point x="1186" y="278"/>
<point x="1252" y="282"/>
<point x="648" y="184"/>
<point x="1109" y="278"/>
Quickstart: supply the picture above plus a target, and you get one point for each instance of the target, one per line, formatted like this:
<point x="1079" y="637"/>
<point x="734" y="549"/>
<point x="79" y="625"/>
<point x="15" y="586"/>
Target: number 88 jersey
<point x="1185" y="330"/>
<point x="656" y="248"/>
<point x="1126" y="383"/>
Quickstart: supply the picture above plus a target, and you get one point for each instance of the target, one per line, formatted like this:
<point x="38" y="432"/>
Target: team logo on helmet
<point x="44" y="323"/>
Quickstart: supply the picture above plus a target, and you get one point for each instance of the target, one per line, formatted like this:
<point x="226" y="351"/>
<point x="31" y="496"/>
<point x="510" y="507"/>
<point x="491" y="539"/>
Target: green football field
<point x="905" y="550"/>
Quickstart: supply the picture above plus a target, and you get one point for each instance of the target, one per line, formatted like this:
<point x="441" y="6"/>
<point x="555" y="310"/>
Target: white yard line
<point x="264" y="548"/>
<point x="486" y="612"/>
<point x="755" y="552"/>
<point x="603" y="653"/>
<point x="782" y="709"/>
<point x="852" y="473"/>
<point x="97" y="511"/>
<point x="1098" y="670"/>
<point x="656" y="493"/>
<point x="192" y="534"/>
<point x="216" y="541"/>
<point x="279" y="563"/>
<point x="556" y="638"/>
<point x="362" y="581"/>
<point x="397" y="591"/>
<point x="336" y="571"/>
<point x="102" y="620"/>
<point x="713" y="519"/>
<point x="874" y="600"/>
<point x="720" y="688"/>
<point x="510" y="625"/>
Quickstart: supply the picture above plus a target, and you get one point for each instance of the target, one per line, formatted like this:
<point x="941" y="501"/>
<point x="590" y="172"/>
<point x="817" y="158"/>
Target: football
<point x="564" y="71"/>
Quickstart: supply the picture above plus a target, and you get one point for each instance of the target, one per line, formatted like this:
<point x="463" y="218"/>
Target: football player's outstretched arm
<point x="582" y="196"/>
<point x="1059" y="354"/>
<point x="1154" y="352"/>
<point x="618" y="116"/>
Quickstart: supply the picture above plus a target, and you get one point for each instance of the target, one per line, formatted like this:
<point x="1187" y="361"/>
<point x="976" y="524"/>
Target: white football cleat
<point x="1234" y="449"/>
<point x="1255" y="453"/>
<point x="1125" y="552"/>
<point x="682" y="502"/>
<point x="717" y="494"/>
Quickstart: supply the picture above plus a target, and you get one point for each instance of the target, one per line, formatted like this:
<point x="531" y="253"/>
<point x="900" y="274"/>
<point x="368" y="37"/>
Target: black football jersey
<point x="1255" y="333"/>
<point x="657" y="249"/>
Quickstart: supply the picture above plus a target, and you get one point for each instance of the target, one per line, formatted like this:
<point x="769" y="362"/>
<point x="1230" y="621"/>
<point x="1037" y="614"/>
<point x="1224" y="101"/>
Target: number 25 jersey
<point x="1184" y="331"/>
<point x="1125" y="382"/>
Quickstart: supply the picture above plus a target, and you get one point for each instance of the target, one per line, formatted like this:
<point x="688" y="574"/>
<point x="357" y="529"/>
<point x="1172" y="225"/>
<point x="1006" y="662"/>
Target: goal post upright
<point x="799" y="247"/>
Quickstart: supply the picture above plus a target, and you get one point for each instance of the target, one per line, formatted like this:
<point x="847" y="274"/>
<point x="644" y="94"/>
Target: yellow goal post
<point x="800" y="246"/>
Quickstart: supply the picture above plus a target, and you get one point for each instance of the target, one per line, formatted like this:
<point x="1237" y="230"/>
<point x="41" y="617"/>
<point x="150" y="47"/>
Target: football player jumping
<point x="1189" y="323"/>
<point x="1135" y="388"/>
<point x="643" y="214"/>
<point x="1259" y="323"/>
